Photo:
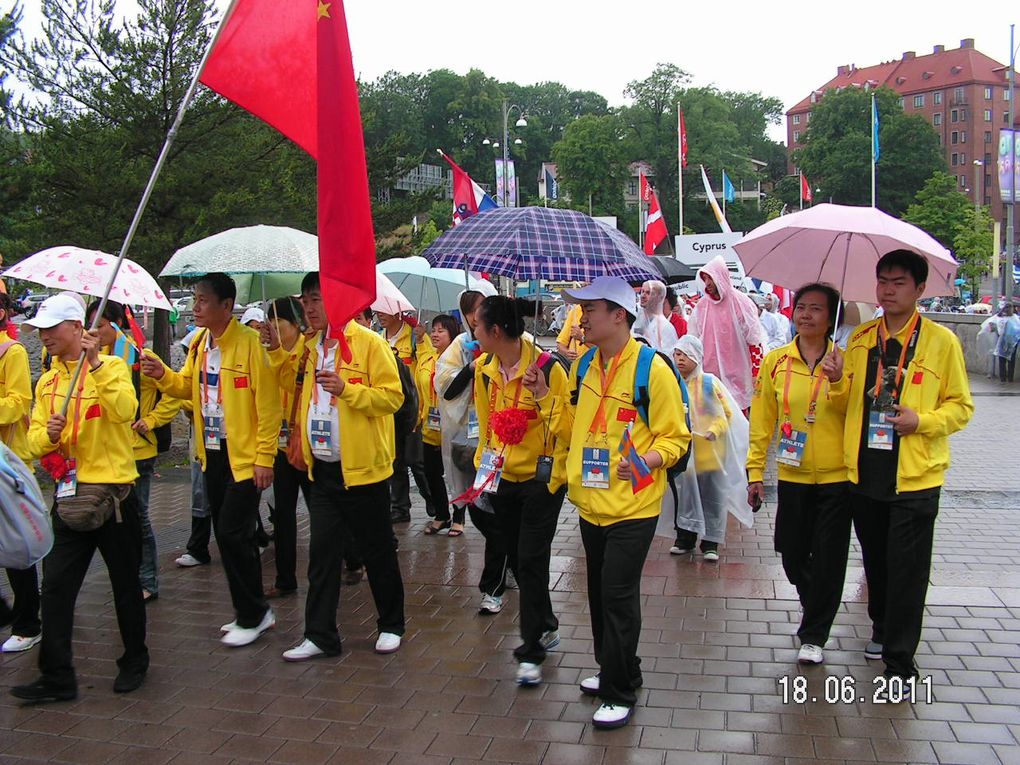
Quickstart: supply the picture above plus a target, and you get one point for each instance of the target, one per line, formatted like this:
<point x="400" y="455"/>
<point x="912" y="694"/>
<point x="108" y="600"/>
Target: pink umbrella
<point x="87" y="272"/>
<point x="840" y="245"/>
<point x="389" y="299"/>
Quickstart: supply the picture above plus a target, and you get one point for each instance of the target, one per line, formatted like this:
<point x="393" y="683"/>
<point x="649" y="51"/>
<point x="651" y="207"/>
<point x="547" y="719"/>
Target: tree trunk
<point x="161" y="334"/>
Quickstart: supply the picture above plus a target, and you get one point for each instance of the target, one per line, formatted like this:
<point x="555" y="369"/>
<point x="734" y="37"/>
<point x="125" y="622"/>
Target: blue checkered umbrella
<point x="540" y="243"/>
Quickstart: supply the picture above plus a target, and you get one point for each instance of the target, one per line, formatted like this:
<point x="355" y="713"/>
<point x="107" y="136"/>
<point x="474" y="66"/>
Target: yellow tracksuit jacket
<point x="251" y="398"/>
<point x="104" y="415"/>
<point x="934" y="385"/>
<point x="520" y="460"/>
<point x="427" y="398"/>
<point x="411" y="353"/>
<point x="564" y="338"/>
<point x="284" y="363"/>
<point x="823" y="451"/>
<point x="15" y="397"/>
<point x="667" y="434"/>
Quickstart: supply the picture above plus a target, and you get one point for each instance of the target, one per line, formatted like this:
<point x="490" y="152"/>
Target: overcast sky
<point x="779" y="49"/>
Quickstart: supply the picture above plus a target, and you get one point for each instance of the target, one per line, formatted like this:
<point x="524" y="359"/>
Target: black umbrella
<point x="672" y="270"/>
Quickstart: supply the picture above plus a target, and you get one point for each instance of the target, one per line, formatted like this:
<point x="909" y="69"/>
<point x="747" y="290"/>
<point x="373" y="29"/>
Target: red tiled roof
<point x="944" y="70"/>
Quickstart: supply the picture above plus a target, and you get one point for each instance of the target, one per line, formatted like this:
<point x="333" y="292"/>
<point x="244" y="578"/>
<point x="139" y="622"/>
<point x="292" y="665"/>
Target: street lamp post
<point x="1007" y="271"/>
<point x="521" y="122"/>
<point x="977" y="186"/>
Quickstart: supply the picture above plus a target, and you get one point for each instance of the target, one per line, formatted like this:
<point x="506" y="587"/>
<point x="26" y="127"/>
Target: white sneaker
<point x="509" y="580"/>
<point x="711" y="556"/>
<point x="590" y="685"/>
<point x="873" y="650"/>
<point x="528" y="674"/>
<point x="387" y="643"/>
<point x="303" y="652"/>
<point x="550" y="639"/>
<point x="229" y="626"/>
<point x="188" y="560"/>
<point x="241" y="636"/>
<point x="491" y="604"/>
<point x="810" y="654"/>
<point x="17" y="644"/>
<point x="609" y="716"/>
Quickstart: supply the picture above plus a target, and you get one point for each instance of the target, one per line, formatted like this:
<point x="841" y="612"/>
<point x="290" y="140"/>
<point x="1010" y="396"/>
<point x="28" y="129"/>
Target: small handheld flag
<point x="640" y="473"/>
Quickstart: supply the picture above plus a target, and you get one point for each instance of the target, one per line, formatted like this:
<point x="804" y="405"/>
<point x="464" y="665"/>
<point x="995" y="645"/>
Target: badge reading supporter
<point x="473" y="430"/>
<point x="880" y="431"/>
<point x="791" y="448"/>
<point x="489" y="472"/>
<point x="68" y="485"/>
<point x="284" y="435"/>
<point x="595" y="468"/>
<point x="433" y="421"/>
<point x="322" y="438"/>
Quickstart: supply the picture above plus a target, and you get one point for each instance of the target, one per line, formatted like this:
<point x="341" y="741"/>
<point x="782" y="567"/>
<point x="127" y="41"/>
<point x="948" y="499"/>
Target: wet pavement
<point x="718" y="650"/>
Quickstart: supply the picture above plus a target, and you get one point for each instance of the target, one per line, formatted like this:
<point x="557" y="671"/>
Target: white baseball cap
<point x="53" y="310"/>
<point x="611" y="288"/>
<point x="253" y="313"/>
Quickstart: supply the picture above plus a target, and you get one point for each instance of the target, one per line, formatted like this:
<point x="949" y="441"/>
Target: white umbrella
<point x="435" y="289"/>
<point x="252" y="249"/>
<point x="87" y="272"/>
<point x="389" y="299"/>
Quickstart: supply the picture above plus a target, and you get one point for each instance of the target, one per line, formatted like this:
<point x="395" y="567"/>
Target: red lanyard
<point x="205" y="378"/>
<point x="883" y="337"/>
<point x="598" y="422"/>
<point x="77" y="404"/>
<point x="813" y="403"/>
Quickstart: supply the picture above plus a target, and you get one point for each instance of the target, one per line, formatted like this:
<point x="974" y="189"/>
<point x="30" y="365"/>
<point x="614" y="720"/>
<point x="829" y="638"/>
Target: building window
<point x="1005" y="94"/>
<point x="954" y="138"/>
<point x="796" y="136"/>
<point x="807" y="117"/>
<point x="988" y="136"/>
<point x="988" y="115"/>
<point x="963" y="181"/>
<point x="963" y="159"/>
<point x="988" y="93"/>
<point x="963" y="115"/>
<point x="900" y="101"/>
<point x="959" y="95"/>
<point x="936" y="119"/>
<point x="936" y="97"/>
<point x="919" y="101"/>
<point x="632" y="187"/>
<point x="963" y="136"/>
<point x="955" y="159"/>
<point x="988" y="160"/>
<point x="796" y="119"/>
<point x="954" y="115"/>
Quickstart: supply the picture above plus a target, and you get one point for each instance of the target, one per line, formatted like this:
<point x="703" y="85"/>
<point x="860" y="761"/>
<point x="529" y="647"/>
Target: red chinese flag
<point x="290" y="65"/>
<point x="805" y="189"/>
<point x="683" y="141"/>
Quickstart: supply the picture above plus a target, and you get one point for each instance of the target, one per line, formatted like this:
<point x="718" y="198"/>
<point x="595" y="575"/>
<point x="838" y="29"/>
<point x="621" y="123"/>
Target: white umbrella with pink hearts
<point x="87" y="272"/>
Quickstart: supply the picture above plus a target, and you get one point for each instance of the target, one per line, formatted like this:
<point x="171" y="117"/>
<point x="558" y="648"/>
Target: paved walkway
<point x="717" y="642"/>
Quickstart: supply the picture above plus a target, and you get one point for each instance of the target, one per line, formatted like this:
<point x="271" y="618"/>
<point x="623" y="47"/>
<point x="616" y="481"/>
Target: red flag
<point x="290" y="65"/>
<point x="683" y="140"/>
<point x="805" y="189"/>
<point x="655" y="226"/>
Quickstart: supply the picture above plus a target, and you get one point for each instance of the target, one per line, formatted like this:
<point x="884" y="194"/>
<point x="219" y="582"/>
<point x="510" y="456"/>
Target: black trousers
<point x="496" y="560"/>
<point x="335" y="511"/>
<point x="434" y="475"/>
<point x="616" y="555"/>
<point x="896" y="541"/>
<point x="234" y="506"/>
<point x="409" y="455"/>
<point x="24" y="616"/>
<point x="527" y="514"/>
<point x="813" y="538"/>
<point x="201" y="522"/>
<point x="287" y="481"/>
<point x="64" y="569"/>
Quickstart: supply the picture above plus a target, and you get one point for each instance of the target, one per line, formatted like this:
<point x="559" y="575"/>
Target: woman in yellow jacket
<point x="15" y="405"/>
<point x="154" y="411"/>
<point x="793" y="393"/>
<point x="444" y="329"/>
<point x="525" y="489"/>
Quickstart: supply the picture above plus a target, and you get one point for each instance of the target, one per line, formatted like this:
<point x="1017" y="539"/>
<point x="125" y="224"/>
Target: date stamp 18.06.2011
<point x="843" y="689"/>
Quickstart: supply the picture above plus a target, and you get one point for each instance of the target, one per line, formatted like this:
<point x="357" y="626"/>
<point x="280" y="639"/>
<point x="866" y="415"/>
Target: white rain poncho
<point x="651" y="324"/>
<point x="731" y="333"/>
<point x="714" y="485"/>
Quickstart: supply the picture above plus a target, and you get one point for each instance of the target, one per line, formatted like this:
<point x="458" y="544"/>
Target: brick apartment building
<point x="962" y="93"/>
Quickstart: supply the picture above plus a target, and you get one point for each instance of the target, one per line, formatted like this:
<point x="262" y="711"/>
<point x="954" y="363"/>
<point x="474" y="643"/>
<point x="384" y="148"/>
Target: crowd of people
<point x="647" y="423"/>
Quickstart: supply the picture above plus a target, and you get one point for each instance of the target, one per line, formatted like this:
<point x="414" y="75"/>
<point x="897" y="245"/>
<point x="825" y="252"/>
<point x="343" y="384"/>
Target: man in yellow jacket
<point x="617" y="524"/>
<point x="89" y="449"/>
<point x="346" y="429"/>
<point x="237" y="415"/>
<point x="908" y="392"/>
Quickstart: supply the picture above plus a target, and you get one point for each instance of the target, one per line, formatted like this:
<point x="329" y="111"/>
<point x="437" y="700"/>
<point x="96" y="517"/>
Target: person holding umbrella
<point x="793" y="393"/>
<point x="907" y="392"/>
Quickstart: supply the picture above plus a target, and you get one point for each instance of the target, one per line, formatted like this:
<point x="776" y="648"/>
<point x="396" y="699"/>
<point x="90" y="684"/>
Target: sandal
<point x="454" y="531"/>
<point x="432" y="528"/>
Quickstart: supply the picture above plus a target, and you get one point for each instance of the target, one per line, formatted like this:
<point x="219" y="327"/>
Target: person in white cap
<point x="618" y="502"/>
<point x="652" y="325"/>
<point x="89" y="453"/>
<point x="253" y="315"/>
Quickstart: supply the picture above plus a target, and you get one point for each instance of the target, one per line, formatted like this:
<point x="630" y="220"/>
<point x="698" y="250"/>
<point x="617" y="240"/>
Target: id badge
<point x="791" y="448"/>
<point x="489" y="473"/>
<point x="68" y="485"/>
<point x="322" y="438"/>
<point x="284" y="437"/>
<point x="213" y="427"/>
<point x="472" y="425"/>
<point x="595" y="468"/>
<point x="433" y="421"/>
<point x="880" y="431"/>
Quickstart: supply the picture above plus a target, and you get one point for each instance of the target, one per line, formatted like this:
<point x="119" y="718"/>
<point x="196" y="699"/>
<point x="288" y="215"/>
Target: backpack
<point x="26" y="532"/>
<point x="641" y="398"/>
<point x="405" y="419"/>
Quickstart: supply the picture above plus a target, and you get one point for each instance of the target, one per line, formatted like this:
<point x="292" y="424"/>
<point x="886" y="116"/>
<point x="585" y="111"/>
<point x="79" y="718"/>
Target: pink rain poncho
<point x="730" y="331"/>
<point x="651" y="324"/>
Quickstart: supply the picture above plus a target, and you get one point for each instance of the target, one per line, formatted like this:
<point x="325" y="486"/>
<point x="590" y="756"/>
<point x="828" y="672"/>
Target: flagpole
<point x="640" y="201"/>
<point x="873" y="131"/>
<point x="801" y="189"/>
<point x="723" y="176"/>
<point x="144" y="202"/>
<point x="680" y="170"/>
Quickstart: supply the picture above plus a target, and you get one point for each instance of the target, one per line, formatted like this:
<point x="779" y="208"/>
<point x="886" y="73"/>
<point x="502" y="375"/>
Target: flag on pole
<point x="552" y="188"/>
<point x="805" y="189"/>
<point x="729" y="193"/>
<point x="683" y="141"/>
<point x="468" y="197"/>
<point x="723" y="224"/>
<point x="290" y="65"/>
<point x="655" y="225"/>
<point x="876" y="149"/>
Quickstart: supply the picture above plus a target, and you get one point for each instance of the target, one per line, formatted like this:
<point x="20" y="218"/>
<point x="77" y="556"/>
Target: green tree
<point x="590" y="164"/>
<point x="972" y="247"/>
<point x="837" y="150"/>
<point x="940" y="209"/>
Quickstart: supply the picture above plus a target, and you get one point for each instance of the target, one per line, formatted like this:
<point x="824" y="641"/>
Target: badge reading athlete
<point x="321" y="434"/>
<point x="68" y="485"/>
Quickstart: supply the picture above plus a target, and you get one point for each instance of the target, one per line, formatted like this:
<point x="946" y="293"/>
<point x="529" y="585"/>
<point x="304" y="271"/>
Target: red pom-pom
<point x="510" y="425"/>
<point x="55" y="464"/>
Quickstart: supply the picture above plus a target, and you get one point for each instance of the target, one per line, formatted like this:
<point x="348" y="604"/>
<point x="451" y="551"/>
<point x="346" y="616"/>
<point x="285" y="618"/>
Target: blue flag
<point x="875" y="148"/>
<point x="552" y="188"/>
<point x="729" y="193"/>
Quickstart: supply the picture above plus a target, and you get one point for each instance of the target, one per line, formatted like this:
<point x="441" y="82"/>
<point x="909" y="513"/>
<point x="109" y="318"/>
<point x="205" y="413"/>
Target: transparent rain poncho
<point x="651" y="324"/>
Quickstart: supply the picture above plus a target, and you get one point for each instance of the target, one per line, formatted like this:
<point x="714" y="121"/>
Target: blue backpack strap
<point x="642" y="372"/>
<point x="583" y="364"/>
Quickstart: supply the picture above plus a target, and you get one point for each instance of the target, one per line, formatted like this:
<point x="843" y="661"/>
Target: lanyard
<point x="599" y="426"/>
<point x="813" y="403"/>
<point x="205" y="378"/>
<point x="77" y="404"/>
<point x="320" y="365"/>
<point x="883" y="336"/>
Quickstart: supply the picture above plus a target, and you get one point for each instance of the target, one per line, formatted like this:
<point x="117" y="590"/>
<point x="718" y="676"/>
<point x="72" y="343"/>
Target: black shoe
<point x="45" y="690"/>
<point x="400" y="517"/>
<point x="262" y="539"/>
<point x="128" y="680"/>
